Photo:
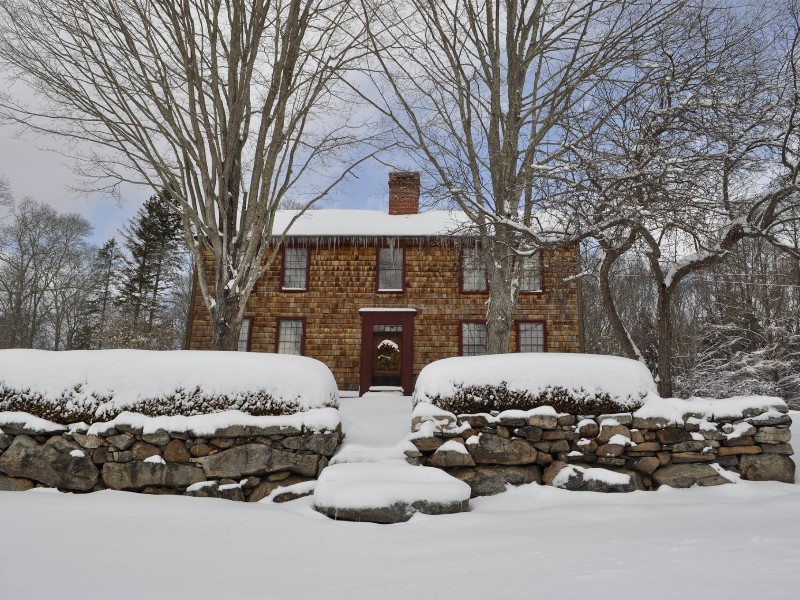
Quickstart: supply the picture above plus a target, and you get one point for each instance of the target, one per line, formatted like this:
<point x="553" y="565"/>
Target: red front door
<point x="387" y="350"/>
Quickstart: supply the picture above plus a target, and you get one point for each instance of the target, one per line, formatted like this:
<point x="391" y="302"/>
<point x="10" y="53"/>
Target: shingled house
<point x="378" y="296"/>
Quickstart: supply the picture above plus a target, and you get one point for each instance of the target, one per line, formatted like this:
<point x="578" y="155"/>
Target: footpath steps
<point x="369" y="479"/>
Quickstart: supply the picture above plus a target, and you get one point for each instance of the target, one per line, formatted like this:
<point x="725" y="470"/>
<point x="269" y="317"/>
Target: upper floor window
<point x="530" y="336"/>
<point x="295" y="269"/>
<point x="290" y="336"/>
<point x="243" y="343"/>
<point x="473" y="339"/>
<point x="531" y="279"/>
<point x="390" y="269"/>
<point x="473" y="271"/>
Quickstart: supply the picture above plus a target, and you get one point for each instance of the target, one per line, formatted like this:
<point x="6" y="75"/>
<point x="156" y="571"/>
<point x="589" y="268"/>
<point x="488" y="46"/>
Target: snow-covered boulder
<point x="571" y="383"/>
<point x="387" y="492"/>
<point x="575" y="478"/>
<point x="98" y="385"/>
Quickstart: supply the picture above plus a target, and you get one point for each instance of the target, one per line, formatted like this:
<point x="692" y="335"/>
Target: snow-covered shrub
<point x="97" y="385"/>
<point x="570" y="383"/>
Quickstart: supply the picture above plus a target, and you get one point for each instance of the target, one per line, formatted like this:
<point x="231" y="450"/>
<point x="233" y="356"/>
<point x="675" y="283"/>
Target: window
<point x="295" y="269"/>
<point x="290" y="336"/>
<point x="473" y="339"/>
<point x="473" y="272"/>
<point x="243" y="344"/>
<point x="390" y="269"/>
<point x="530" y="336"/>
<point x="531" y="273"/>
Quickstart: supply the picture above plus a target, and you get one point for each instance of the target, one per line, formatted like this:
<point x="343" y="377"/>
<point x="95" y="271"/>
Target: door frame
<point x="372" y="317"/>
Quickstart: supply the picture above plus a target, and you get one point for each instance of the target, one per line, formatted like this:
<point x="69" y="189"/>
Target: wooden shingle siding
<point x="342" y="281"/>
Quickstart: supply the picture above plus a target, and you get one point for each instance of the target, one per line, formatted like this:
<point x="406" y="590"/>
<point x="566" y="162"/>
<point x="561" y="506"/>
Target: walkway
<point x="370" y="480"/>
<point x="376" y="428"/>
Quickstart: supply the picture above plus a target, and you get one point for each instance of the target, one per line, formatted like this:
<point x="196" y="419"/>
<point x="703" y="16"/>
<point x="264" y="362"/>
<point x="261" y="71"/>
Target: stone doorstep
<point x="405" y="484"/>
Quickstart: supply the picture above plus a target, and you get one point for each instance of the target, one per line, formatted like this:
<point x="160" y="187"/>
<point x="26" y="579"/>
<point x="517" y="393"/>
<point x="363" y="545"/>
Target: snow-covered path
<point x="376" y="427"/>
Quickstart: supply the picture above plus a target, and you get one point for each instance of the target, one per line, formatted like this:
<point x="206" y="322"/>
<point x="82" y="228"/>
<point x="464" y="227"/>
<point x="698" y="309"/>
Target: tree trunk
<point x="499" y="313"/>
<point x="503" y="291"/>
<point x="609" y="306"/>
<point x="665" y="335"/>
<point x="154" y="298"/>
<point x="224" y="322"/>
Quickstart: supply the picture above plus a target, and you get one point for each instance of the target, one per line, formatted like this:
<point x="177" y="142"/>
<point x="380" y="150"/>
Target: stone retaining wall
<point x="489" y="451"/>
<point x="239" y="462"/>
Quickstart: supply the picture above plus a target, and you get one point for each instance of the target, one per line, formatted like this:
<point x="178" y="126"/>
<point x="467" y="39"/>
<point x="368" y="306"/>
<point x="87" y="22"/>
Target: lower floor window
<point x="473" y="339"/>
<point x="531" y="336"/>
<point x="243" y="343"/>
<point x="290" y="336"/>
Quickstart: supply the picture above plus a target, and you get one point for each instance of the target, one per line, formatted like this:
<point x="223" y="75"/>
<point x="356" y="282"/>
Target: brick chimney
<point x="404" y="193"/>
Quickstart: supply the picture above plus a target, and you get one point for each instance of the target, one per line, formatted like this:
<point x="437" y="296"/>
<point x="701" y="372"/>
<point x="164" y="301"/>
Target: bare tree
<point x="480" y="90"/>
<point x="6" y="197"/>
<point x="41" y="258"/>
<point x="216" y="101"/>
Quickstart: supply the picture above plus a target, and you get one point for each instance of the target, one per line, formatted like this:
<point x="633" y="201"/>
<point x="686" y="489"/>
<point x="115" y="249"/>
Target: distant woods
<point x="737" y="324"/>
<point x="60" y="292"/>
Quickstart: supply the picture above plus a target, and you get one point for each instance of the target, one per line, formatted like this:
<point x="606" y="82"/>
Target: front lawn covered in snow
<point x="97" y="385"/>
<point x="735" y="542"/>
<point x="570" y="383"/>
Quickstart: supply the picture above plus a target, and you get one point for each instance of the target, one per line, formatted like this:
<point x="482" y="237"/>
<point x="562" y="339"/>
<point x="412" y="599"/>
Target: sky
<point x="36" y="167"/>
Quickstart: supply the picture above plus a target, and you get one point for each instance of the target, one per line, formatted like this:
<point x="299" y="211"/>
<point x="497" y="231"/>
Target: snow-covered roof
<point x="371" y="223"/>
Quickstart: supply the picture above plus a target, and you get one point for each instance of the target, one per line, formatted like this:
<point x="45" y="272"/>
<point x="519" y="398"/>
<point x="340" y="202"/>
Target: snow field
<point x="728" y="542"/>
<point x="733" y="542"/>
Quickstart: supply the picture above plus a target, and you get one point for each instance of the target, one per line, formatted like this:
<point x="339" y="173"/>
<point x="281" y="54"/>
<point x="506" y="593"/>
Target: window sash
<point x="473" y="339"/>
<point x="390" y="269"/>
<point x="473" y="271"/>
<point x="531" y="278"/>
<point x="295" y="269"/>
<point x="244" y="335"/>
<point x="290" y="336"/>
<point x="531" y="337"/>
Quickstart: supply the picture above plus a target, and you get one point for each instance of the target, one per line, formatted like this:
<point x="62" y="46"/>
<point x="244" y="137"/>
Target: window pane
<point x="473" y="271"/>
<point x="244" y="335"/>
<point x="295" y="265"/>
<point x="531" y="337"/>
<point x="290" y="337"/>
<point x="473" y="339"/>
<point x="531" y="274"/>
<point x="387" y="328"/>
<point x="390" y="269"/>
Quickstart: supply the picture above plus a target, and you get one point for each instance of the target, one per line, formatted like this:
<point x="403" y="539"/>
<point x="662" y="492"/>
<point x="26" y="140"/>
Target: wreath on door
<point x="388" y="354"/>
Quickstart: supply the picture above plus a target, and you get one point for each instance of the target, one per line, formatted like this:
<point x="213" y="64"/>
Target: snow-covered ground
<point x="376" y="428"/>
<point x="733" y="541"/>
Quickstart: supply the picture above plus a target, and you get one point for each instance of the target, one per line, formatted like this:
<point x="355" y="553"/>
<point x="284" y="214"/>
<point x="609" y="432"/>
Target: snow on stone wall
<point x="569" y="381"/>
<point x="680" y="443"/>
<point x="99" y="384"/>
<point x="227" y="455"/>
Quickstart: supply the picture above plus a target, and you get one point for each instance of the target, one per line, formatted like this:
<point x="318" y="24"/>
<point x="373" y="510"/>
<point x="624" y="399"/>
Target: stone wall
<point x="342" y="278"/>
<point x="238" y="462"/>
<point x="619" y="452"/>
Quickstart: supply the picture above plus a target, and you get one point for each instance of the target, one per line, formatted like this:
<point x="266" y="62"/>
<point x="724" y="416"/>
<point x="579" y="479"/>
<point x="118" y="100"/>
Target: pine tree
<point x="99" y="309"/>
<point x="154" y="245"/>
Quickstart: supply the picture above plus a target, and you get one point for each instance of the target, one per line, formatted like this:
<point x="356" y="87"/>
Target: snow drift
<point x="582" y="383"/>
<point x="98" y="385"/>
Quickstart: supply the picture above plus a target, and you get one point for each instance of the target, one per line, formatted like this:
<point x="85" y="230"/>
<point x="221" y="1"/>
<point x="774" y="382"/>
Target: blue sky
<point x="48" y="176"/>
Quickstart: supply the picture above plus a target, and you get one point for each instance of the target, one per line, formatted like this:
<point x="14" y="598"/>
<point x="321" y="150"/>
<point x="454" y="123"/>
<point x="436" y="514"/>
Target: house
<point x="377" y="296"/>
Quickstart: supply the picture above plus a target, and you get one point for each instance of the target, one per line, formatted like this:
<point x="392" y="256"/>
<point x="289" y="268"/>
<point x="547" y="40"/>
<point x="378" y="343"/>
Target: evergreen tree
<point x="99" y="309"/>
<point x="154" y="245"/>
